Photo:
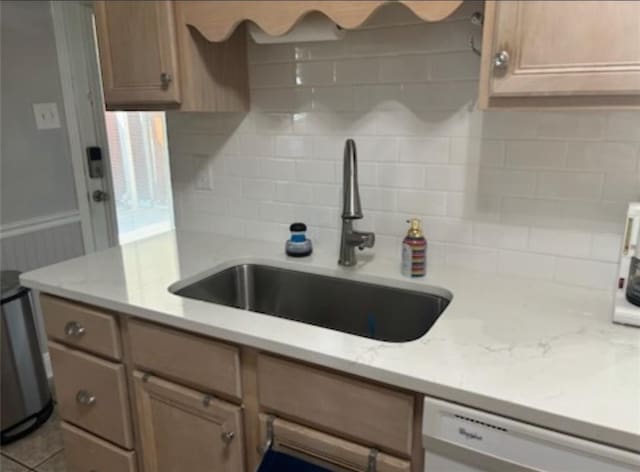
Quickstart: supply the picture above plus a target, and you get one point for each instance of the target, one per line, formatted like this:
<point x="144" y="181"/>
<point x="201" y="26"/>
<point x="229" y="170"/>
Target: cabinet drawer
<point x="205" y="364"/>
<point x="81" y="326"/>
<point x="86" y="452"/>
<point x="305" y="442"/>
<point x="362" y="411"/>
<point x="92" y="394"/>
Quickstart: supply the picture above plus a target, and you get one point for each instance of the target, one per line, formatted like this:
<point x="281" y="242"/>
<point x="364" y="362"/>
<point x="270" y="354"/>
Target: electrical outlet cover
<point x="46" y="115"/>
<point x="202" y="172"/>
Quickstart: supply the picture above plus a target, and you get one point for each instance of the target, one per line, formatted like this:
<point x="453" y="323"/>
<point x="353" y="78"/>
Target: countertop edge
<point x="506" y="408"/>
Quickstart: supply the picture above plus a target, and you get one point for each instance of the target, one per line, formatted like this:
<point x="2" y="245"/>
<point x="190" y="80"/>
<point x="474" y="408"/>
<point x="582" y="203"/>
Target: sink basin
<point x="373" y="311"/>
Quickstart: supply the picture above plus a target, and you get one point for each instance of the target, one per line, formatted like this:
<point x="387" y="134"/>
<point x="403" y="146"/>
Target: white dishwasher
<point x="460" y="439"/>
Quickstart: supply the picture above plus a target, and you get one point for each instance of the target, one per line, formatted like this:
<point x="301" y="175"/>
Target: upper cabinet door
<point x="561" y="49"/>
<point x="138" y="53"/>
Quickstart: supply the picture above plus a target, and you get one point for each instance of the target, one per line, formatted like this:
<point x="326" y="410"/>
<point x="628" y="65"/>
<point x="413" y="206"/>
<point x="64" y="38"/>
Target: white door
<point x="84" y="109"/>
<point x="131" y="199"/>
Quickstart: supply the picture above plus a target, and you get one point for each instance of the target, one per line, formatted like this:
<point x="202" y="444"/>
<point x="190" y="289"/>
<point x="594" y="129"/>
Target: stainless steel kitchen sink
<point x="370" y="310"/>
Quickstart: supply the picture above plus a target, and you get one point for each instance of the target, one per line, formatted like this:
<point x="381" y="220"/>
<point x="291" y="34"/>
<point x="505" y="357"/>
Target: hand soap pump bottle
<point x="414" y="251"/>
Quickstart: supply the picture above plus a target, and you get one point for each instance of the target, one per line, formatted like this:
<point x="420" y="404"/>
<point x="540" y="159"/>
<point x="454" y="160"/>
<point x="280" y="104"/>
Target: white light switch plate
<point x="46" y="115"/>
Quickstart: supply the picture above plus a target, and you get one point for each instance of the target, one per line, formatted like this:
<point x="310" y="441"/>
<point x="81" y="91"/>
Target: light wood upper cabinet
<point x="152" y="59"/>
<point x="137" y="42"/>
<point x="561" y="53"/>
<point x="182" y="429"/>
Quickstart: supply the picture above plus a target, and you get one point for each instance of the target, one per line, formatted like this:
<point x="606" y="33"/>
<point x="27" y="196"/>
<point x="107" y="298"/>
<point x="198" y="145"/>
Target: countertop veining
<point x="534" y="351"/>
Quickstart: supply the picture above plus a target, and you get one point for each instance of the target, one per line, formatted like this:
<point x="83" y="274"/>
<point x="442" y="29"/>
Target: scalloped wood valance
<point x="216" y="20"/>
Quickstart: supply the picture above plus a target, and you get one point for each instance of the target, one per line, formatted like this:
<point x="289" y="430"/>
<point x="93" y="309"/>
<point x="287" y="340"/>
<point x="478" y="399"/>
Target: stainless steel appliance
<point x="26" y="399"/>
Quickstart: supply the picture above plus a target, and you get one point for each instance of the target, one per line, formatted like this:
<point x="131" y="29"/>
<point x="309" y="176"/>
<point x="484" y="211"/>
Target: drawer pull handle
<point x="85" y="397"/>
<point x="74" y="329"/>
<point x="227" y="436"/>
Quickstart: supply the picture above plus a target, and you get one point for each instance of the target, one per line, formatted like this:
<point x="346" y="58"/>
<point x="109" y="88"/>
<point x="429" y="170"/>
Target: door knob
<point x="228" y="436"/>
<point x="99" y="196"/>
<point x="501" y="60"/>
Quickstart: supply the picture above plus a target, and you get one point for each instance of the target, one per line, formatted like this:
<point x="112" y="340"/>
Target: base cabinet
<point x="183" y="429"/>
<point x="173" y="401"/>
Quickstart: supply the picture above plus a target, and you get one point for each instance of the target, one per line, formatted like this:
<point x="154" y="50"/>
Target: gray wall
<point x="36" y="173"/>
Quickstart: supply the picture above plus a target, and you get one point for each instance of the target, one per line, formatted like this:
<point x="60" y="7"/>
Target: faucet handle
<point x="368" y="240"/>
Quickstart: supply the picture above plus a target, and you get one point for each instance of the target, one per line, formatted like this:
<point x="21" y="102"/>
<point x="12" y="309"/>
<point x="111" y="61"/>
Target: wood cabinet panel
<point x="138" y="52"/>
<point x="204" y="363"/>
<point x="182" y="429"/>
<point x="358" y="410"/>
<point x="86" y="452"/>
<point x="217" y="20"/>
<point x="293" y="437"/>
<point x="81" y="326"/>
<point x="588" y="49"/>
<point x="79" y="377"/>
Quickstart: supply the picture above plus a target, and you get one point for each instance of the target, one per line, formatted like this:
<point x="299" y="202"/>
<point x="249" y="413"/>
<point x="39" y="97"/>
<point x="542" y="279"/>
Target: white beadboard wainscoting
<point x="37" y="242"/>
<point x="537" y="194"/>
<point x="42" y="241"/>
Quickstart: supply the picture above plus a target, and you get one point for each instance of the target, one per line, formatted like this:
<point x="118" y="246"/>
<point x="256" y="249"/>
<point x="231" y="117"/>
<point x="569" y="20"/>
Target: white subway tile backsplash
<point x="357" y="71"/>
<point x="332" y="98"/>
<point x="378" y="97"/>
<point x="278" y="212"/>
<point x="536" y="154"/>
<point x="483" y="152"/>
<point x="314" y="73"/>
<point x="277" y="169"/>
<point x="404" y="69"/>
<point x="405" y="176"/>
<point x="272" y="75"/>
<point x="252" y="145"/>
<point x="539" y="194"/>
<point x="293" y="146"/>
<point x="525" y="264"/>
<point x="452" y="178"/>
<point x="560" y="242"/>
<point x="592" y="274"/>
<point x="623" y="126"/>
<point x="258" y="189"/>
<point x="454" y="66"/>
<point x="422" y="202"/>
<point x="622" y="186"/>
<point x="500" y="235"/>
<point x="578" y="124"/>
<point x="606" y="247"/>
<point x="426" y="150"/>
<point x="606" y="157"/>
<point x="570" y="185"/>
<point x="293" y="192"/>
<point x="472" y="258"/>
<point x="315" y="171"/>
<point x="506" y="182"/>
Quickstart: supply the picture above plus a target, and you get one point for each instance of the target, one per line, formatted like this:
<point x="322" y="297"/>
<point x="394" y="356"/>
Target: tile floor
<point x="41" y="451"/>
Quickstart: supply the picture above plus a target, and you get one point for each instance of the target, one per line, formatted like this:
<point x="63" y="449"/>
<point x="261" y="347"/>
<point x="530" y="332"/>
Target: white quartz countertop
<point x="534" y="351"/>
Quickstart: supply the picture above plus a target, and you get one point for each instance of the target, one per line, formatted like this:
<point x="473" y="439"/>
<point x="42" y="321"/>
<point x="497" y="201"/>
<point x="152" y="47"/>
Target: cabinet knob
<point x="85" y="397"/>
<point x="74" y="329"/>
<point x="227" y="436"/>
<point x="501" y="60"/>
<point x="165" y="80"/>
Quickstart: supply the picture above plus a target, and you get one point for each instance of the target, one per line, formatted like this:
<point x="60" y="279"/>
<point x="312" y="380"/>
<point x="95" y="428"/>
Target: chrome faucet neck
<point x="351" y="209"/>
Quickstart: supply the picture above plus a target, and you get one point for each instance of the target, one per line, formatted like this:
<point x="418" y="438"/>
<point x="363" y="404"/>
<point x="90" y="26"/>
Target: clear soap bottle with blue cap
<point x="298" y="245"/>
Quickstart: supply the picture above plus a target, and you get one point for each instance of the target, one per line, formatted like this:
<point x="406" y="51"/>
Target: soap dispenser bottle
<point x="414" y="251"/>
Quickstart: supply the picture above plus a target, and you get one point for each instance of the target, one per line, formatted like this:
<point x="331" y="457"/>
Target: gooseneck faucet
<point x="351" y="210"/>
